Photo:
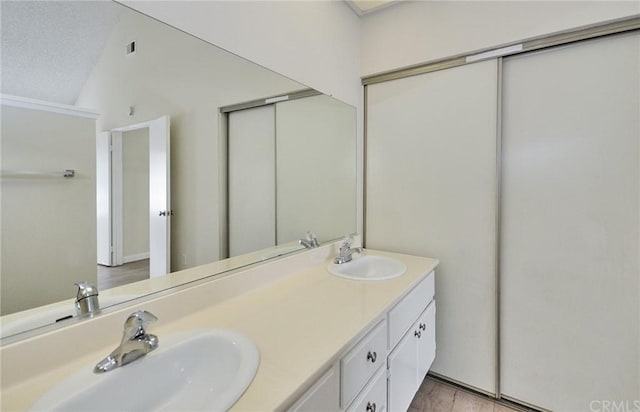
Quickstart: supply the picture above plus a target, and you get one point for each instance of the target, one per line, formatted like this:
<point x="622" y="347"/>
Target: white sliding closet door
<point x="252" y="180"/>
<point x="431" y="191"/>
<point x="570" y="226"/>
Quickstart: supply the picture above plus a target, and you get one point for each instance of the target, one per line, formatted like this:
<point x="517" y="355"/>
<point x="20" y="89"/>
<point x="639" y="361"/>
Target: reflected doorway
<point x="133" y="212"/>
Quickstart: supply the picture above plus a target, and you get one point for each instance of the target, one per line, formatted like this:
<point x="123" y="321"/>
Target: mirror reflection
<point x="182" y="154"/>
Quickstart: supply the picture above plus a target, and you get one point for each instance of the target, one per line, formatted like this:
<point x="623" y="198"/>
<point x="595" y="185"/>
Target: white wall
<point x="416" y="32"/>
<point x="314" y="42"/>
<point x="48" y="223"/>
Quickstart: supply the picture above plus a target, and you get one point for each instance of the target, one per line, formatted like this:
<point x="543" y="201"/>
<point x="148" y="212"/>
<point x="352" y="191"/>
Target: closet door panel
<point x="252" y="180"/>
<point x="570" y="225"/>
<point x="311" y="192"/>
<point x="431" y="191"/>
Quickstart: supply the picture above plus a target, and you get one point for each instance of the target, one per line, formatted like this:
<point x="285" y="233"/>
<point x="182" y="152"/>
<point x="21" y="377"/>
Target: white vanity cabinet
<point x="411" y="342"/>
<point x="411" y="359"/>
<point x="383" y="370"/>
<point x="356" y="382"/>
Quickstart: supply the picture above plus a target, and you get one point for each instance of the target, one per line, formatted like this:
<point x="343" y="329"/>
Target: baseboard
<point x="135" y="258"/>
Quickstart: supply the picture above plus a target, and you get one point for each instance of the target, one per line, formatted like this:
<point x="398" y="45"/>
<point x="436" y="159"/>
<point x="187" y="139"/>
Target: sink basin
<point x="369" y="268"/>
<point x="192" y="371"/>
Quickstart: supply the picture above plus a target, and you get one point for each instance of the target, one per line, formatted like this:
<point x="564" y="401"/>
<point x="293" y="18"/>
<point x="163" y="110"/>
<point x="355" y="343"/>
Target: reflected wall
<point x="170" y="73"/>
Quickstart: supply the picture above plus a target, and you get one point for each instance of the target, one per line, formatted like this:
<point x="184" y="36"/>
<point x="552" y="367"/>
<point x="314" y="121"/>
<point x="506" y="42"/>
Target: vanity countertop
<point x="300" y="323"/>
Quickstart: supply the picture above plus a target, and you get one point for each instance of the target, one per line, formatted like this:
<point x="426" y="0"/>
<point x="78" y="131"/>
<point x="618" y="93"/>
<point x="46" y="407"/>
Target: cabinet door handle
<point x="417" y="334"/>
<point x="372" y="356"/>
<point x="371" y="407"/>
<point x="423" y="326"/>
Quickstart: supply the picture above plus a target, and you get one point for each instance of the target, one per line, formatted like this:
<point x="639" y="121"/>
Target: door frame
<point x="159" y="203"/>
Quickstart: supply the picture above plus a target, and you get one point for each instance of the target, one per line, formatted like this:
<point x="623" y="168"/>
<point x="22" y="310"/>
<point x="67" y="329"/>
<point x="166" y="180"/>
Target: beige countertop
<point x="300" y="322"/>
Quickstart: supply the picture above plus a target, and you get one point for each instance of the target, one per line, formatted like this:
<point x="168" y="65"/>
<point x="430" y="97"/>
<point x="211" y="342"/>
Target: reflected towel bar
<point x="28" y="173"/>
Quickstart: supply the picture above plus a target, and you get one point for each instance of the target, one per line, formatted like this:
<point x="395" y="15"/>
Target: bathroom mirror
<point x="60" y="58"/>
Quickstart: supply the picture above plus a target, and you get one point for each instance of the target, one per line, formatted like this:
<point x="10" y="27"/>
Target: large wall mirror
<point x="137" y="157"/>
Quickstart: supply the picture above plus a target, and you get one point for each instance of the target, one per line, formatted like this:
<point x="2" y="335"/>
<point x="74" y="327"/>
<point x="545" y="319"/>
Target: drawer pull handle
<point x="371" y="407"/>
<point x="372" y="356"/>
<point x="417" y="334"/>
<point x="423" y="326"/>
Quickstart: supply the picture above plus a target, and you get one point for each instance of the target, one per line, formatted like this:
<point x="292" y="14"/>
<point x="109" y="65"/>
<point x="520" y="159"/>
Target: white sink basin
<point x="369" y="268"/>
<point x="192" y="371"/>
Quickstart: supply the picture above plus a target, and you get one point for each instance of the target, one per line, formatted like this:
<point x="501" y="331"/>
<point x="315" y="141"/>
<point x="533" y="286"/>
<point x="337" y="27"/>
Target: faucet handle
<point x="136" y="323"/>
<point x="346" y="245"/>
<point x="85" y="290"/>
<point x="312" y="239"/>
<point x="87" y="299"/>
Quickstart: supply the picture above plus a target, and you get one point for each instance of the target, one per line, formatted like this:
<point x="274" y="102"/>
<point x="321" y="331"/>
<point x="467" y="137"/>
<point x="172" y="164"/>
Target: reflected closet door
<point x="431" y="191"/>
<point x="570" y="227"/>
<point x="312" y="192"/>
<point x="252" y="180"/>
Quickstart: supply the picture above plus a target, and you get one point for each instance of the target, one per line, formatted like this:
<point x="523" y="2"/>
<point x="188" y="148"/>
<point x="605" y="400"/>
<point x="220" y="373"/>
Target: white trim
<point x="135" y="258"/>
<point x="116" y="198"/>
<point x="42" y="105"/>
<point x="135" y="126"/>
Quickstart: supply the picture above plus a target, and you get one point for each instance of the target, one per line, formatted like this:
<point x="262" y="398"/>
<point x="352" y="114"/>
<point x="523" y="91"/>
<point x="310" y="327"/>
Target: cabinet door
<point x="403" y="376"/>
<point x="427" y="342"/>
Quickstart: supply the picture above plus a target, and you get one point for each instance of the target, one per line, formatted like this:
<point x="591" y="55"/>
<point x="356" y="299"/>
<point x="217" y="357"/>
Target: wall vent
<point x="131" y="47"/>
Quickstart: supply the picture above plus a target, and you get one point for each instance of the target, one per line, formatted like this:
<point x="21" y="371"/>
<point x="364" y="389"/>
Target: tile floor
<point x="434" y="396"/>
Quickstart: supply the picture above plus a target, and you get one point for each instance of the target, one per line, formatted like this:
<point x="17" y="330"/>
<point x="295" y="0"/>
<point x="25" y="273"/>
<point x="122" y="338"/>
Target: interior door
<point x="159" y="197"/>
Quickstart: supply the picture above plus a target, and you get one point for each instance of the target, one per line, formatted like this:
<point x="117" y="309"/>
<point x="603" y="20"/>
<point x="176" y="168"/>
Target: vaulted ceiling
<point x="49" y="48"/>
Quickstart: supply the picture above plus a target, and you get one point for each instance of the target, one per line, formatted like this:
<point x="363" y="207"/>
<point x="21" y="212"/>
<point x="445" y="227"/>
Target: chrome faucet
<point x="87" y="299"/>
<point x="346" y="252"/>
<point x="135" y="342"/>
<point x="310" y="241"/>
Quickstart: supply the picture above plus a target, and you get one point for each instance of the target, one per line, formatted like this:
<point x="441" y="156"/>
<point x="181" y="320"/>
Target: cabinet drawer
<point x="361" y="362"/>
<point x="405" y="313"/>
<point x="374" y="397"/>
